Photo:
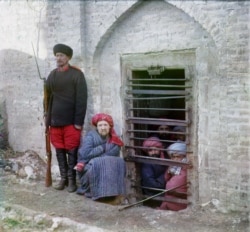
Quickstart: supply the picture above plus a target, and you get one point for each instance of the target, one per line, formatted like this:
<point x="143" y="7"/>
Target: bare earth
<point x="27" y="205"/>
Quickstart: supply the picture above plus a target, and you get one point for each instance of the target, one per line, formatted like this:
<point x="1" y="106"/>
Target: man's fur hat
<point x="62" y="48"/>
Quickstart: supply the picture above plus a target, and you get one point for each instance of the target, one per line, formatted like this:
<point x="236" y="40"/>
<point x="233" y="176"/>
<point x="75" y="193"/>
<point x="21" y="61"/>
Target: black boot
<point x="63" y="167"/>
<point x="72" y="160"/>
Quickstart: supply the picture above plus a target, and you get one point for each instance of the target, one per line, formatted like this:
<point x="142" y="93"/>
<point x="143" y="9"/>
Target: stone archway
<point x="142" y="31"/>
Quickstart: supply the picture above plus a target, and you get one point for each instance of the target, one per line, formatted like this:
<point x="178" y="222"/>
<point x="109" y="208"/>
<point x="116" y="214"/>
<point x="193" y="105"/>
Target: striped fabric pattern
<point x="106" y="177"/>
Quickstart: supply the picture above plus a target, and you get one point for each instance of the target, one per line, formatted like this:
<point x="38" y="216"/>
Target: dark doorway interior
<point x="156" y="98"/>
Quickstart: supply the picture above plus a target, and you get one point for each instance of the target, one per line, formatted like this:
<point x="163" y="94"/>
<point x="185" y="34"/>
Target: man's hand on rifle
<point x="45" y="115"/>
<point x="78" y="127"/>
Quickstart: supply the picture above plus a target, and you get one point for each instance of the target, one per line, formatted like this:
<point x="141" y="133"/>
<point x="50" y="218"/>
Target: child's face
<point x="177" y="157"/>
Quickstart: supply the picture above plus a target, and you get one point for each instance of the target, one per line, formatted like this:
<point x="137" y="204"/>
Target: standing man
<point x="67" y="91"/>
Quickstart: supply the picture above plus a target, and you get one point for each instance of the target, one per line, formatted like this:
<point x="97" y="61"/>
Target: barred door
<point x="156" y="97"/>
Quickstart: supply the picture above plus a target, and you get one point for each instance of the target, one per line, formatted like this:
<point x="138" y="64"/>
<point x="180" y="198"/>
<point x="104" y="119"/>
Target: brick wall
<point x="218" y="33"/>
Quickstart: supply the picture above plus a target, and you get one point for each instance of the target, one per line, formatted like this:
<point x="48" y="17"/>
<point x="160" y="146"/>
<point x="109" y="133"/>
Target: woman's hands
<point x="79" y="167"/>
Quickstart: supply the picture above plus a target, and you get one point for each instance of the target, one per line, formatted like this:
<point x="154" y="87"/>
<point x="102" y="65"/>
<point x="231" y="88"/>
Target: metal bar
<point x="157" y="92"/>
<point x="140" y="138"/>
<point x="160" y="86"/>
<point x="152" y="98"/>
<point x="167" y="109"/>
<point x="153" y="131"/>
<point x="155" y="79"/>
<point x="160" y="149"/>
<point x="174" y="200"/>
<point x="151" y="197"/>
<point x="175" y="193"/>
<point x="153" y="121"/>
<point x="156" y="189"/>
<point x="162" y="140"/>
<point x="152" y="160"/>
<point x="140" y="147"/>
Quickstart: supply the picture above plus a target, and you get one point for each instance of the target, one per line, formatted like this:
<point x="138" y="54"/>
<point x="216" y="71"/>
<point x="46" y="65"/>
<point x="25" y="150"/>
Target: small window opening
<point x="156" y="100"/>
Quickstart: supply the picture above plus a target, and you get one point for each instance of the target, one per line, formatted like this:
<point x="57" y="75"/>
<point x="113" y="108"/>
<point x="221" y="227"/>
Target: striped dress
<point x="104" y="171"/>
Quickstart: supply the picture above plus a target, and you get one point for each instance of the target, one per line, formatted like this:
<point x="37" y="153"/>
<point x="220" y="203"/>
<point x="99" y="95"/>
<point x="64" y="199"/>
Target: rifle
<point x="48" y="178"/>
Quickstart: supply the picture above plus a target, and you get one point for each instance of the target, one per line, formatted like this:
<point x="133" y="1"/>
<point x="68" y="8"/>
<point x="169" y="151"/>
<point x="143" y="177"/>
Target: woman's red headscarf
<point x="105" y="117"/>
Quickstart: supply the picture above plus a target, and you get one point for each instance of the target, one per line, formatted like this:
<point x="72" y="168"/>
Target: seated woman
<point x="100" y="168"/>
<point x="176" y="176"/>
<point x="153" y="174"/>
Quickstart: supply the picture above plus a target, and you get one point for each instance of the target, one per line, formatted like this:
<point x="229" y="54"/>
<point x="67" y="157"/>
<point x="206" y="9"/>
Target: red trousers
<point x="66" y="137"/>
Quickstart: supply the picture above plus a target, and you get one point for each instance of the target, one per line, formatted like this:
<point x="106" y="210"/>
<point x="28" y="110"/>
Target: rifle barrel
<point x="38" y="70"/>
<point x="48" y="178"/>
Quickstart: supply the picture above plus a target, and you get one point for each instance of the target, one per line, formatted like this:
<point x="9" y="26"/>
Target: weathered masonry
<point x="147" y="63"/>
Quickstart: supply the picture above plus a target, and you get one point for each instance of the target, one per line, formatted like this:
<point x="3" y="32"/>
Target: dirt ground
<point x="27" y="205"/>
